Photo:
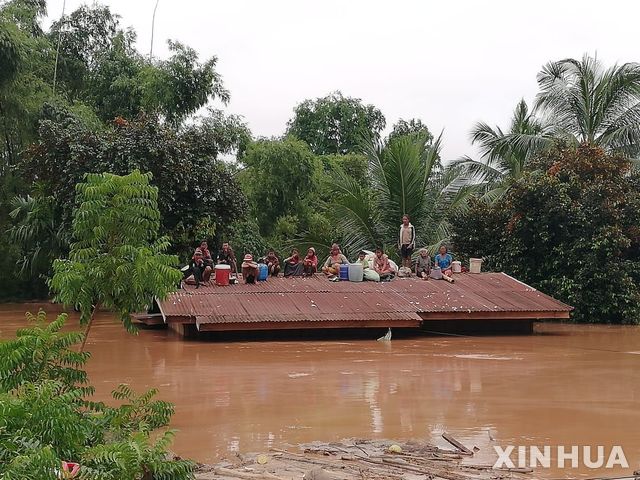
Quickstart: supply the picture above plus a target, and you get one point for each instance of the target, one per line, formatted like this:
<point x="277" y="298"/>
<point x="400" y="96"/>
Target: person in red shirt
<point x="310" y="262"/>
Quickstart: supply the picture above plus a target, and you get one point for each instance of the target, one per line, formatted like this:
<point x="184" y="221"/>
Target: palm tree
<point x="38" y="234"/>
<point x="406" y="178"/>
<point x="578" y="102"/>
<point x="587" y="104"/>
<point x="504" y="154"/>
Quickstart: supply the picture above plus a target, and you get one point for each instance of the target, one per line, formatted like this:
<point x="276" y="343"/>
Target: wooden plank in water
<point x="464" y="450"/>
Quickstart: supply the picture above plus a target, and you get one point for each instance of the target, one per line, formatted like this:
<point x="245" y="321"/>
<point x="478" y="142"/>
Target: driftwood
<point x="357" y="460"/>
<point x="463" y="450"/>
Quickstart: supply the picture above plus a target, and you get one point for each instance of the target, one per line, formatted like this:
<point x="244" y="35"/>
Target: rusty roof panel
<point x="313" y="299"/>
<point x="324" y="317"/>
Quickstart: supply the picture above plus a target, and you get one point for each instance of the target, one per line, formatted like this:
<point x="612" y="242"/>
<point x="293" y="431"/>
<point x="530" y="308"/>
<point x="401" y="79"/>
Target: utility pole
<point x="55" y="68"/>
<point x="153" y="26"/>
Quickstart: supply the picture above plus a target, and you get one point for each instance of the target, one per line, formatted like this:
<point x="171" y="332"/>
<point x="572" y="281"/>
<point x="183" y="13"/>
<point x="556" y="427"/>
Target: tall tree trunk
<point x="86" y="330"/>
<point x="7" y="140"/>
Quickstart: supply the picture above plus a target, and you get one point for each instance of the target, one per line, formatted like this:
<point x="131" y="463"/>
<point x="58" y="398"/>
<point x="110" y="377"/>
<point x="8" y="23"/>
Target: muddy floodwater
<point x="565" y="385"/>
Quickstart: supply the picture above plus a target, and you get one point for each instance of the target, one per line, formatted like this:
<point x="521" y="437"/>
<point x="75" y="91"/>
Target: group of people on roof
<point x="376" y="265"/>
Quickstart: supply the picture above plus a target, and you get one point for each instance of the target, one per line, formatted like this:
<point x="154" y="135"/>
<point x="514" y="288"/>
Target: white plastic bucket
<point x="456" y="266"/>
<point x="475" y="265"/>
<point x="436" y="273"/>
<point x="356" y="272"/>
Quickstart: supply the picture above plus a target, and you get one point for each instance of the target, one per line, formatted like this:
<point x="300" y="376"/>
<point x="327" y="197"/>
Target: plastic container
<point x="436" y="273"/>
<point x="456" y="266"/>
<point x="344" y="272"/>
<point x="356" y="272"/>
<point x="263" y="272"/>
<point x="475" y="265"/>
<point x="223" y="272"/>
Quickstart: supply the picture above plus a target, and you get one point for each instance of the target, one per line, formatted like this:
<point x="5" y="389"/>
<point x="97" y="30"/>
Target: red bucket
<point x="223" y="272"/>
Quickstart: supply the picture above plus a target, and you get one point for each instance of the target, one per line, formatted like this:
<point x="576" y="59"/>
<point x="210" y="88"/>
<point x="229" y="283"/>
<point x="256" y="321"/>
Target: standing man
<point x="406" y="241"/>
<point x="227" y="257"/>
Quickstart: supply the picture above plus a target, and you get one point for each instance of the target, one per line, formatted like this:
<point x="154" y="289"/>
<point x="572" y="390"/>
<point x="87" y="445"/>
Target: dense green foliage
<point x="101" y="106"/>
<point x="335" y="123"/>
<point x="569" y="226"/>
<point x="279" y="177"/>
<point x="116" y="260"/>
<point x="46" y="416"/>
<point x="196" y="192"/>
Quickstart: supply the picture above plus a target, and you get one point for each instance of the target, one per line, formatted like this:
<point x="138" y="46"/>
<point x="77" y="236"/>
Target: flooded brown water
<point x="565" y="385"/>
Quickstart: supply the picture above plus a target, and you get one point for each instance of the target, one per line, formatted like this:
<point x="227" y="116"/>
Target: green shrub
<point x="569" y="227"/>
<point x="46" y="416"/>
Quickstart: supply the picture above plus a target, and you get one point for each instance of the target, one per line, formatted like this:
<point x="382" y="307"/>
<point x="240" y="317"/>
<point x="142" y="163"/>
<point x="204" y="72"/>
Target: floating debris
<point x="355" y="459"/>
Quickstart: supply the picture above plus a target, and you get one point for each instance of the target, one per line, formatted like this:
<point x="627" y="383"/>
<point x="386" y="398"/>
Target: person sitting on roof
<point x="382" y="266"/>
<point x="227" y="257"/>
<point x="249" y="269"/>
<point x="368" y="272"/>
<point x="332" y="264"/>
<point x="443" y="260"/>
<point x="206" y="254"/>
<point x="198" y="269"/>
<point x="310" y="263"/>
<point x="423" y="264"/>
<point x="272" y="262"/>
<point x="293" y="266"/>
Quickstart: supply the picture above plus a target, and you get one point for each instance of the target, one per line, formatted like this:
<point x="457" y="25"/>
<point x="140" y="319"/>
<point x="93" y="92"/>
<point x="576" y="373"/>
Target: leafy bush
<point x="46" y="416"/>
<point x="570" y="227"/>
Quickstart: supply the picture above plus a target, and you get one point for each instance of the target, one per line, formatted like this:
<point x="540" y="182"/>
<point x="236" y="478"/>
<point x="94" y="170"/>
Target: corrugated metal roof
<point x="317" y="299"/>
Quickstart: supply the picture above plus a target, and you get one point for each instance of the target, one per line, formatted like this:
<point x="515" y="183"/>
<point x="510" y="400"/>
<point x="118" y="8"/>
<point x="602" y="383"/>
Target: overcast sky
<point x="448" y="63"/>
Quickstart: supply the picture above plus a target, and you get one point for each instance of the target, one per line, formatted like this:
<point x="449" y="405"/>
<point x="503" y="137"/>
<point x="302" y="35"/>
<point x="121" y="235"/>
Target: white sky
<point x="448" y="63"/>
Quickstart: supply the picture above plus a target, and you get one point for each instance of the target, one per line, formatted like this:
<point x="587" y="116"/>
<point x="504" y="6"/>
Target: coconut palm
<point x="504" y="154"/>
<point x="587" y="104"/>
<point x="406" y="177"/>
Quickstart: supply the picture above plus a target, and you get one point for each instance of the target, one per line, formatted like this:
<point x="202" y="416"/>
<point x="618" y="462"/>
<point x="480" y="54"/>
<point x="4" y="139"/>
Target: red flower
<point x="69" y="470"/>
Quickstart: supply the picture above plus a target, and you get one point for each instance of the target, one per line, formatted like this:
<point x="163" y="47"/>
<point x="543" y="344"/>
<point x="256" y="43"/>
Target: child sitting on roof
<point x="368" y="272"/>
<point x="423" y="264"/>
<point x="272" y="262"/>
<point x="310" y="263"/>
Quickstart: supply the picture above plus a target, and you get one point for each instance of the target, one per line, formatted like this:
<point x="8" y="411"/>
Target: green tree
<point x="116" y="260"/>
<point x="99" y="64"/>
<point x="406" y="178"/>
<point x="40" y="239"/>
<point x="413" y="126"/>
<point x="335" y="123"/>
<point x="86" y="33"/>
<point x="503" y="161"/>
<point x="47" y="415"/>
<point x="584" y="103"/>
<point x="181" y="84"/>
<point x="569" y="227"/>
<point x="278" y="178"/>
<point x="355" y="165"/>
<point x="197" y="192"/>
